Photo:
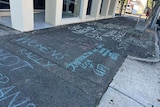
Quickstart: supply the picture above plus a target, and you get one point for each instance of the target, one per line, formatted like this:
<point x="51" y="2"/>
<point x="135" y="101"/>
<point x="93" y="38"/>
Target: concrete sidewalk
<point x="137" y="84"/>
<point x="73" y="65"/>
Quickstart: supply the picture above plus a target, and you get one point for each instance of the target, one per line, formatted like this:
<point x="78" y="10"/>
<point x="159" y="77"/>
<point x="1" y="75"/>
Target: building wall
<point x="23" y="10"/>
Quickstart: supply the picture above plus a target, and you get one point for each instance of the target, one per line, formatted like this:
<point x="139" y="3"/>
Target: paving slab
<point x="113" y="98"/>
<point x="140" y="81"/>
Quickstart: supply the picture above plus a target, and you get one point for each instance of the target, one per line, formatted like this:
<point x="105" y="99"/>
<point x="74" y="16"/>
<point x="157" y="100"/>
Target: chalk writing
<point x="12" y="62"/>
<point x="42" y="48"/>
<point x="99" y="31"/>
<point x="109" y="25"/>
<point x="88" y="31"/>
<point x="80" y="30"/>
<point x="115" y="34"/>
<point x="85" y="62"/>
<point x="3" y="79"/>
<point x="136" y="42"/>
<point x="101" y="70"/>
<point x="5" y="94"/>
<point x="131" y="40"/>
<point x="35" y="58"/>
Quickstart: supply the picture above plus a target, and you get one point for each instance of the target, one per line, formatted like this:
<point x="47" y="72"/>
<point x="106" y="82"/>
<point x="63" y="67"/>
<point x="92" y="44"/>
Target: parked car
<point x="128" y="8"/>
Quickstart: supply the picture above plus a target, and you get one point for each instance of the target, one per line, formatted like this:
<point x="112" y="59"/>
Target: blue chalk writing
<point x="5" y="95"/>
<point x="20" y="67"/>
<point x="84" y="61"/>
<point x="35" y="58"/>
<point x="14" y="95"/>
<point x="48" y="64"/>
<point x="42" y="48"/>
<point x="12" y="62"/>
<point x="3" y="79"/>
<point x="78" y="61"/>
<point x="9" y="60"/>
<point x="4" y="91"/>
<point x="106" y="52"/>
<point x="101" y="70"/>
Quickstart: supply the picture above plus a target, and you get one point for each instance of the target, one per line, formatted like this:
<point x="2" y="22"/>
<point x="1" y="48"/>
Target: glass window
<point x="71" y="8"/>
<point x="89" y="7"/>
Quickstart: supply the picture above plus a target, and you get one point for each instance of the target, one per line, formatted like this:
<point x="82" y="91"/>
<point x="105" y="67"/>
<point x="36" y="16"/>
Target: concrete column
<point x="112" y="8"/>
<point x="105" y="7"/>
<point x="77" y="8"/>
<point x="22" y="14"/>
<point x="83" y="8"/>
<point x="53" y="12"/>
<point x="96" y="4"/>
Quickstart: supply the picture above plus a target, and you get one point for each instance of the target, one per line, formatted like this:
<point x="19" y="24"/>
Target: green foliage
<point x="150" y="3"/>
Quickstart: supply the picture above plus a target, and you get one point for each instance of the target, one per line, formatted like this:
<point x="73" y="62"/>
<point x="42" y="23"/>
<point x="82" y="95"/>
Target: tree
<point x="154" y="15"/>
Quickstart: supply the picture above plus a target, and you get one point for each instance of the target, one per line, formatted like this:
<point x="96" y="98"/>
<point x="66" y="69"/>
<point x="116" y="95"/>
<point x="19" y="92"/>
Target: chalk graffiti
<point x="99" y="31"/>
<point x="3" y="79"/>
<point x="80" y="30"/>
<point x="95" y="34"/>
<point x="78" y="61"/>
<point x="35" y="58"/>
<point x="101" y="70"/>
<point x="115" y="34"/>
<point x="109" y="25"/>
<point x="12" y="62"/>
<point x="88" y="31"/>
<point x="42" y="48"/>
<point x="85" y="62"/>
<point x="5" y="94"/>
<point x="136" y="42"/>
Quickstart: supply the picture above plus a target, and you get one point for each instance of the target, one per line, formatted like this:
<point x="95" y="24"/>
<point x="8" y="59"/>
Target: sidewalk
<point x="136" y="84"/>
<point x="73" y="65"/>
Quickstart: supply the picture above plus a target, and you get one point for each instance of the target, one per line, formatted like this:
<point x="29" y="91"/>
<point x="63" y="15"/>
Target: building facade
<point x="58" y="12"/>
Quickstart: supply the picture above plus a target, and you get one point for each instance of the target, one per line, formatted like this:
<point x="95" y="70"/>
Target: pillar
<point x="53" y="12"/>
<point x="112" y="8"/>
<point x="96" y="4"/>
<point x="105" y="7"/>
<point x="84" y="4"/>
<point x="22" y="14"/>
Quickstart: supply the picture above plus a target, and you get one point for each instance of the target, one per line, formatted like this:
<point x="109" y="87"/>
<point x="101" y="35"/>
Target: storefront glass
<point x="89" y="7"/>
<point x="71" y="8"/>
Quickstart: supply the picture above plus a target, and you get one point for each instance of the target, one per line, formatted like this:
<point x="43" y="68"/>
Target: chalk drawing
<point x="12" y="62"/>
<point x="35" y="58"/>
<point x="42" y="48"/>
<point x="88" y="31"/>
<point x="80" y="30"/>
<point x="95" y="34"/>
<point x="9" y="60"/>
<point x="135" y="42"/>
<point x="101" y="70"/>
<point x="85" y="62"/>
<point x="26" y="64"/>
<point x="78" y="61"/>
<point x="115" y="34"/>
<point x="109" y="25"/>
<point x="5" y="94"/>
<point x="3" y="79"/>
